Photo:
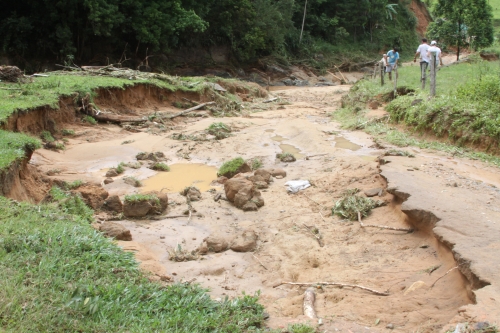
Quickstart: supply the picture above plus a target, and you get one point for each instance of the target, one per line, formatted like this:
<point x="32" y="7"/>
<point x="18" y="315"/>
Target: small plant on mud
<point x="160" y="166"/>
<point x="142" y="197"/>
<point x="120" y="168"/>
<point x="133" y="165"/>
<point x="230" y="168"/>
<point x="396" y="152"/>
<point x="71" y="204"/>
<point x="126" y="142"/>
<point x="73" y="185"/>
<point x="59" y="146"/>
<point x="350" y="204"/>
<point x="90" y="120"/>
<point x="67" y="132"/>
<point x="179" y="254"/>
<point x="133" y="181"/>
<point x="300" y="328"/>
<point x="256" y="164"/>
<point x="219" y="130"/>
<point x="47" y="137"/>
<point x="286" y="157"/>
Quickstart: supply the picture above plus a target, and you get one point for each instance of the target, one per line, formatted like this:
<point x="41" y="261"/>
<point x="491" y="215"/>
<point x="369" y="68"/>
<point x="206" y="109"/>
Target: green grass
<point x="231" y="167"/>
<point x="160" y="166"/>
<point x="13" y="147"/>
<point x="256" y="164"/>
<point x="57" y="274"/>
<point x="89" y="119"/>
<point x="219" y="130"/>
<point x="120" y="168"/>
<point x="75" y="184"/>
<point x="142" y="197"/>
<point x="350" y="204"/>
<point x="46" y="136"/>
<point x="68" y="132"/>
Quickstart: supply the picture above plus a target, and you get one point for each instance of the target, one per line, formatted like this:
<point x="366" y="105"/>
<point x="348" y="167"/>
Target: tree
<point x="462" y="22"/>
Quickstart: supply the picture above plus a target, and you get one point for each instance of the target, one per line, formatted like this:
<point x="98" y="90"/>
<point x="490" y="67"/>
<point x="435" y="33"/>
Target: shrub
<point x="67" y="132"/>
<point x="160" y="166"/>
<point x="90" y="120"/>
<point x="120" y="168"/>
<point x="230" y="168"/>
<point x="219" y="130"/>
<point x="47" y="137"/>
<point x="350" y="204"/>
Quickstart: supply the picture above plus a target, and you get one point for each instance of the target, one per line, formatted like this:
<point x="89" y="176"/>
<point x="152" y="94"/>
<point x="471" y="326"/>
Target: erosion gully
<point x="410" y="267"/>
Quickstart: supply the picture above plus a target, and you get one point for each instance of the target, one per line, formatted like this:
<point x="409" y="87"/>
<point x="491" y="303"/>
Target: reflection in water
<point x="181" y="176"/>
<point x="341" y="142"/>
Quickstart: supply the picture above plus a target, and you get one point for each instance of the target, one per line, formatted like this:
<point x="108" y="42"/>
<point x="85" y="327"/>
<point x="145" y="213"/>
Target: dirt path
<point x="461" y="195"/>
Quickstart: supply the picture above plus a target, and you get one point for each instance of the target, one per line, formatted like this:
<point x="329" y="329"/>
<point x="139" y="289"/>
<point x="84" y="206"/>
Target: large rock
<point x="137" y="208"/>
<point x="216" y="243"/>
<point x="245" y="242"/>
<point x="116" y="231"/>
<point x="114" y="204"/>
<point x="264" y="173"/>
<point x="241" y="191"/>
<point x="191" y="193"/>
<point x="93" y="195"/>
<point x="111" y="173"/>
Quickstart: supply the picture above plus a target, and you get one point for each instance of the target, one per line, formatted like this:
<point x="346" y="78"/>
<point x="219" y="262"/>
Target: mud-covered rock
<point x="265" y="174"/>
<point x="93" y="195"/>
<point x="203" y="248"/>
<point x="261" y="185"/>
<point x="222" y="180"/>
<point x="286" y="157"/>
<point x="249" y="206"/>
<point x="245" y="242"/>
<point x="373" y="192"/>
<point x="108" y="181"/>
<point x="116" y="231"/>
<point x="191" y="193"/>
<point x="114" y="204"/>
<point x="155" y="157"/>
<point x="163" y="200"/>
<point x="240" y="191"/>
<point x="136" y="208"/>
<point x="277" y="172"/>
<point x="216" y="243"/>
<point x="111" y="173"/>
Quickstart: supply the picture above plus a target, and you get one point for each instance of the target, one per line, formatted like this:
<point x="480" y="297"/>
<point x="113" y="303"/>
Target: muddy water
<point x="292" y="150"/>
<point x="341" y="142"/>
<point x="278" y="138"/>
<point x="181" y="176"/>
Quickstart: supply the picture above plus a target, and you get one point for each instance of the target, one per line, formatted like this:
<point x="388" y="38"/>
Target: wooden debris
<point x="320" y="284"/>
<point x="316" y="234"/>
<point x="118" y="119"/>
<point x="309" y="299"/>
<point x="382" y="226"/>
<point x="199" y="106"/>
<point x="271" y="100"/>
<point x="260" y="262"/>
<point x="442" y="276"/>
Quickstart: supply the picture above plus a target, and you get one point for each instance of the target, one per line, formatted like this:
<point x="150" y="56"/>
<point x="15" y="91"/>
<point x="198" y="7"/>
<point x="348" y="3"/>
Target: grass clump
<point x="126" y="142"/>
<point x="68" y="132"/>
<point x="219" y="130"/>
<point x="14" y="146"/>
<point x="286" y="157"/>
<point x="73" y="185"/>
<point x="90" y="120"/>
<point x="350" y="204"/>
<point x="179" y="254"/>
<point x="231" y="168"/>
<point x="300" y="328"/>
<point x="256" y="164"/>
<point x="59" y="274"/>
<point x="71" y="203"/>
<point x="47" y="137"/>
<point x="397" y="152"/>
<point x="120" y="168"/>
<point x="132" y="198"/>
<point x="133" y="181"/>
<point x="160" y="166"/>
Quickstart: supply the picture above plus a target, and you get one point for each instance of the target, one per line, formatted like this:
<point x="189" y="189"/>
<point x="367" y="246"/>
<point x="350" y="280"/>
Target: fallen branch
<point x="118" y="119"/>
<point x="345" y="80"/>
<point x="260" y="262"/>
<point x="442" y="276"/>
<point x="309" y="298"/>
<point x="173" y="216"/>
<point x="315" y="284"/>
<point x="271" y="100"/>
<point x="335" y="76"/>
<point x="199" y="106"/>
<point x="321" y="207"/>
<point x="190" y="101"/>
<point x="381" y="226"/>
<point x="316" y="235"/>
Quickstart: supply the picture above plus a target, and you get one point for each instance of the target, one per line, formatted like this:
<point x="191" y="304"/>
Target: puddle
<point x="278" y="138"/>
<point x="181" y="176"/>
<point x="269" y="130"/>
<point x="266" y="144"/>
<point x="341" y="142"/>
<point x="292" y="150"/>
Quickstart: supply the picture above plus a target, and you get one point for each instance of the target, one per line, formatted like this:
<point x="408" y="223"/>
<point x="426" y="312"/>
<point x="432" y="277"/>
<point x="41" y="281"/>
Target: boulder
<point x="93" y="195"/>
<point x="240" y="191"/>
<point x="108" y="181"/>
<point x="116" y="231"/>
<point x="136" y="208"/>
<point x="245" y="242"/>
<point x="111" y="173"/>
<point x="114" y="204"/>
<point x="216" y="243"/>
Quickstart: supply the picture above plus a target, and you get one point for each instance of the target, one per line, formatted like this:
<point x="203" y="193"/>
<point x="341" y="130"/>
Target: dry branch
<point x="345" y="80"/>
<point x="316" y="235"/>
<point x="190" y="101"/>
<point x="260" y="262"/>
<point x="309" y="298"/>
<point x="118" y="119"/>
<point x="199" y="106"/>
<point x="335" y="76"/>
<point x="442" y="276"/>
<point x="271" y="100"/>
<point x="382" y="226"/>
<point x="315" y="284"/>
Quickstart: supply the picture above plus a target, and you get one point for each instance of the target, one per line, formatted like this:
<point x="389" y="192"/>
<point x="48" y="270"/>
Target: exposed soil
<point x="405" y="265"/>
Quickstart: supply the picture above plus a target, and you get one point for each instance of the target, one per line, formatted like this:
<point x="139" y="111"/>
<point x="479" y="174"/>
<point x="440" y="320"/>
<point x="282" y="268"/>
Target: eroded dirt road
<point x="406" y="265"/>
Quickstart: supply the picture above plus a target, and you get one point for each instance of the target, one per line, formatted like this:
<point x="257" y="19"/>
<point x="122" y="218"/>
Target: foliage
<point x="350" y="204"/>
<point x="142" y="197"/>
<point x="91" y="285"/>
<point x="256" y="164"/>
<point x="46" y="136"/>
<point x="71" y="203"/>
<point x="219" y="130"/>
<point x="120" y="168"/>
<point x="73" y="185"/>
<point x="179" y="254"/>
<point x="231" y="167"/>
<point x="67" y="132"/>
<point x="89" y="119"/>
<point x="160" y="166"/>
<point x="133" y="181"/>
<point x="15" y="146"/>
<point x="300" y="328"/>
<point x="462" y="23"/>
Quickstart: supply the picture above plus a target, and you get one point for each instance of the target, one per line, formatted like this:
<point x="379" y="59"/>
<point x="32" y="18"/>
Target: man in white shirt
<point x="435" y="48"/>
<point x="424" y="58"/>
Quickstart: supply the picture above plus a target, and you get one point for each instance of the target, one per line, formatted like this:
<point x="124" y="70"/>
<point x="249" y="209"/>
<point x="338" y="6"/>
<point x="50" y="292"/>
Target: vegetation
<point x="462" y="23"/>
<point x="90" y="120"/>
<point x="13" y="147"/>
<point x="73" y="185"/>
<point x="68" y="132"/>
<point x="71" y="203"/>
<point x="219" y="130"/>
<point x="350" y="204"/>
<point x="133" y="181"/>
<point x="91" y="285"/>
<point x="142" y="197"/>
<point x="256" y="164"/>
<point x="230" y="168"/>
<point x="46" y="136"/>
<point x="160" y="166"/>
<point x="120" y="168"/>
<point x="286" y="157"/>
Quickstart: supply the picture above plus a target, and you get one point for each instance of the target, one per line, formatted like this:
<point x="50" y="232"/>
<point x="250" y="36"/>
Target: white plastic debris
<point x="293" y="186"/>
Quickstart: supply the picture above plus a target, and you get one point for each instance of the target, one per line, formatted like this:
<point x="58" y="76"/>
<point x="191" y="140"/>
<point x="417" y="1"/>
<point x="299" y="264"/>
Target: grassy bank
<point x="13" y="147"/>
<point x="57" y="274"/>
<point x="465" y="117"/>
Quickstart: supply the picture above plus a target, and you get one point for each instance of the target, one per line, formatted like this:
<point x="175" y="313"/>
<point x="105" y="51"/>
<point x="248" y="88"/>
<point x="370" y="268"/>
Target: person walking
<point x="435" y="48"/>
<point x="392" y="61"/>
<point x="424" y="58"/>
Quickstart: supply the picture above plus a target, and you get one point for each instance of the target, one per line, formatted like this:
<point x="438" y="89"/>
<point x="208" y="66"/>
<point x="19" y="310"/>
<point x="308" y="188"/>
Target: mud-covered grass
<point x="13" y="147"/>
<point x="465" y="116"/>
<point x="60" y="275"/>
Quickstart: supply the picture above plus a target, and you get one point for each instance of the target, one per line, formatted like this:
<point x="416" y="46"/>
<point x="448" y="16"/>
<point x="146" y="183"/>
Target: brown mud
<point x="410" y="267"/>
